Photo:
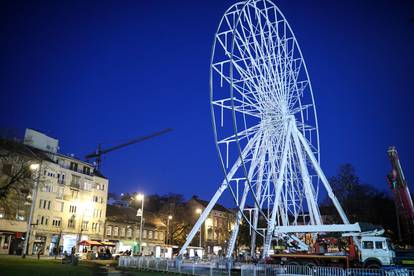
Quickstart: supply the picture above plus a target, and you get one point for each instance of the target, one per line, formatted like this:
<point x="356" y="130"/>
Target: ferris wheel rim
<point x="244" y="4"/>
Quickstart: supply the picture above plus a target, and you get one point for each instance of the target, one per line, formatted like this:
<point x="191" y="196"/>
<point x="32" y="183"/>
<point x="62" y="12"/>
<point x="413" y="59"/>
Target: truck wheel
<point x="372" y="265"/>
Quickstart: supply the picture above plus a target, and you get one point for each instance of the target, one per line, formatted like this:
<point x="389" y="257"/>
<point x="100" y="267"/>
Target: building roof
<point x="122" y="214"/>
<point x="38" y="154"/>
<point x="19" y="148"/>
<point x="216" y="207"/>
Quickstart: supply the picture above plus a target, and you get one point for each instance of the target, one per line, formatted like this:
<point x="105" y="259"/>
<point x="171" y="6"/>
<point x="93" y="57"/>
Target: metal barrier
<point x="297" y="270"/>
<point x="184" y="267"/>
<point x="223" y="268"/>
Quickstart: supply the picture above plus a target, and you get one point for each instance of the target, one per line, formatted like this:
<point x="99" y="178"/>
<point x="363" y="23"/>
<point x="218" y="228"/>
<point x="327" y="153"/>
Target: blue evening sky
<point x="108" y="71"/>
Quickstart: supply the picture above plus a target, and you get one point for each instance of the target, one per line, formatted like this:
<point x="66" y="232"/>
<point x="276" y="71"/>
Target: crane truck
<point x="368" y="249"/>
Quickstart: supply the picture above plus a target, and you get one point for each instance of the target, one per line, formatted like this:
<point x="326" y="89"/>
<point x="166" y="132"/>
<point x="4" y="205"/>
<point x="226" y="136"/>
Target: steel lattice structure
<point x="265" y="126"/>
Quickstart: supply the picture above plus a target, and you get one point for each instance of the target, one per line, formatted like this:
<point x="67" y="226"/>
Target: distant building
<point x="122" y="227"/>
<point x="216" y="229"/>
<point x="70" y="205"/>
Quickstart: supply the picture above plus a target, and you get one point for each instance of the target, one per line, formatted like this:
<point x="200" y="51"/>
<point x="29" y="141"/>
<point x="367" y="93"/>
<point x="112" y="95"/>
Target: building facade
<point x="69" y="202"/>
<point x="216" y="230"/>
<point x="122" y="227"/>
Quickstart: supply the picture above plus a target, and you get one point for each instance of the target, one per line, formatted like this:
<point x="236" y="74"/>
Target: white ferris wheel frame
<point x="275" y="165"/>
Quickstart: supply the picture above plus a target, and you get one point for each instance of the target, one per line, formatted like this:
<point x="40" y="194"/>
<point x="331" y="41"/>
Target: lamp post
<point x="168" y="228"/>
<point x="199" y="211"/>
<point x="35" y="167"/>
<point x="140" y="212"/>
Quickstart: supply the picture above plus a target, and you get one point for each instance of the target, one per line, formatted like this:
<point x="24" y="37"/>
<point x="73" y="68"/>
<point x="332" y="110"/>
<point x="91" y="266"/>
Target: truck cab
<point x="376" y="251"/>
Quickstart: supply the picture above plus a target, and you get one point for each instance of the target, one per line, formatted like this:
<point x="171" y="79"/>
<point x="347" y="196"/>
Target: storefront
<point x="69" y="241"/>
<point x="39" y="245"/>
<point x="54" y="245"/>
<point x="11" y="243"/>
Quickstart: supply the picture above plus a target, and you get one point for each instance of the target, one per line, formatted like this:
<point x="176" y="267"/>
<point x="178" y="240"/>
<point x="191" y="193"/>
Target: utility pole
<point x="35" y="167"/>
<point x="140" y="212"/>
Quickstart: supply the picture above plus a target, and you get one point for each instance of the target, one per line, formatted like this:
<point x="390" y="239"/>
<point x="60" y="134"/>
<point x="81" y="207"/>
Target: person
<point x="39" y="251"/>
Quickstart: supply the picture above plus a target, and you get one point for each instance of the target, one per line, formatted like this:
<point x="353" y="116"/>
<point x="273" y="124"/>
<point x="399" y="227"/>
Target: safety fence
<point x="188" y="267"/>
<point x="290" y="270"/>
<point x="223" y="268"/>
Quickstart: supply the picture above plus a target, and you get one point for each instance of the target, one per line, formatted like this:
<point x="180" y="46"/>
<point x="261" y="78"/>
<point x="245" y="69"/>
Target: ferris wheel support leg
<point x="235" y="231"/>
<point x="310" y="198"/>
<point x="322" y="176"/>
<point x="278" y="190"/>
<point x="203" y="217"/>
<point x="256" y="212"/>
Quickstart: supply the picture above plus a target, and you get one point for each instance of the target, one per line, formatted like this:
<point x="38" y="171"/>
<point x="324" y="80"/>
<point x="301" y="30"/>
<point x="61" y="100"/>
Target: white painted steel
<point x="265" y="126"/>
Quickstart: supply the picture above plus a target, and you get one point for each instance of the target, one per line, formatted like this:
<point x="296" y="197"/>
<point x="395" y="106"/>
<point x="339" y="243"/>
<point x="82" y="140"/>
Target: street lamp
<point x="140" y="212"/>
<point x="199" y="211"/>
<point x="168" y="227"/>
<point x="34" y="167"/>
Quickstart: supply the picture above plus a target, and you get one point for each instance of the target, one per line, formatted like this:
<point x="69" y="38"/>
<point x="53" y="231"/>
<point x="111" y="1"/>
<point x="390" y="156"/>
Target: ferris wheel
<point x="265" y="127"/>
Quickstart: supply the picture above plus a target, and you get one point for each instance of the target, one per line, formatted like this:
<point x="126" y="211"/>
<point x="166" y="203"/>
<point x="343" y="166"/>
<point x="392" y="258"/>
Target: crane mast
<point x="402" y="199"/>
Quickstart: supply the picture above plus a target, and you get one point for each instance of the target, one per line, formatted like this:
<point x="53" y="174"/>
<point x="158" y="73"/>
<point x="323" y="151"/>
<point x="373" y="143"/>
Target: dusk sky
<point x="89" y="72"/>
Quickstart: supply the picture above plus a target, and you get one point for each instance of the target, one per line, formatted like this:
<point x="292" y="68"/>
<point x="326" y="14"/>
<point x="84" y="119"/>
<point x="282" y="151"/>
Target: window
<point x="94" y="226"/>
<point x="44" y="204"/>
<point x="72" y="209"/>
<point x="103" y="187"/>
<point x="109" y="230"/>
<point x="129" y="232"/>
<point x="149" y="234"/>
<point x="2" y="213"/>
<point x="85" y="225"/>
<point x="75" y="181"/>
<point x="61" y="178"/>
<point x="98" y="187"/>
<point x="73" y="166"/>
<point x="144" y="234"/>
<point x="95" y="198"/>
<point x="156" y="235"/>
<point x="115" y="231"/>
<point x="100" y="213"/>
<point x="75" y="194"/>
<point x="42" y="220"/>
<point x="379" y="245"/>
<point x="122" y="232"/>
<point x="161" y="236"/>
<point x="48" y="187"/>
<point x="368" y="245"/>
<point x="57" y="222"/>
<point x="87" y="185"/>
<point x="86" y="170"/>
<point x="71" y="223"/>
<point x="20" y="215"/>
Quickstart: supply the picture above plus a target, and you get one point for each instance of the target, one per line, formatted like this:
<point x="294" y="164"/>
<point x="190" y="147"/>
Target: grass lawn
<point x="15" y="265"/>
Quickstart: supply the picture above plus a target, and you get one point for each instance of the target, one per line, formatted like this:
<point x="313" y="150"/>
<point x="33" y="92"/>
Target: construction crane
<point x="402" y="199"/>
<point x="99" y="151"/>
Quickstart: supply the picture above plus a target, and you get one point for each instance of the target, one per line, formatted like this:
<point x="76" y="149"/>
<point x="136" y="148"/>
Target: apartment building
<point x="69" y="202"/>
<point x="216" y="229"/>
<point x="122" y="227"/>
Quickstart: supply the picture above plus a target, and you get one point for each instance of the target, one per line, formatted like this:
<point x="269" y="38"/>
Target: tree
<point x="16" y="178"/>
<point x="361" y="202"/>
<point x="15" y="161"/>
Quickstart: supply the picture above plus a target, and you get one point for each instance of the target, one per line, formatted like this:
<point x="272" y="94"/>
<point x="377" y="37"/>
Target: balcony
<point x="74" y="185"/>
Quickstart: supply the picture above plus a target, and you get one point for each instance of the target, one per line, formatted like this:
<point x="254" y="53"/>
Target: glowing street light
<point x="198" y="212"/>
<point x="140" y="212"/>
<point x="168" y="228"/>
<point x="34" y="167"/>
